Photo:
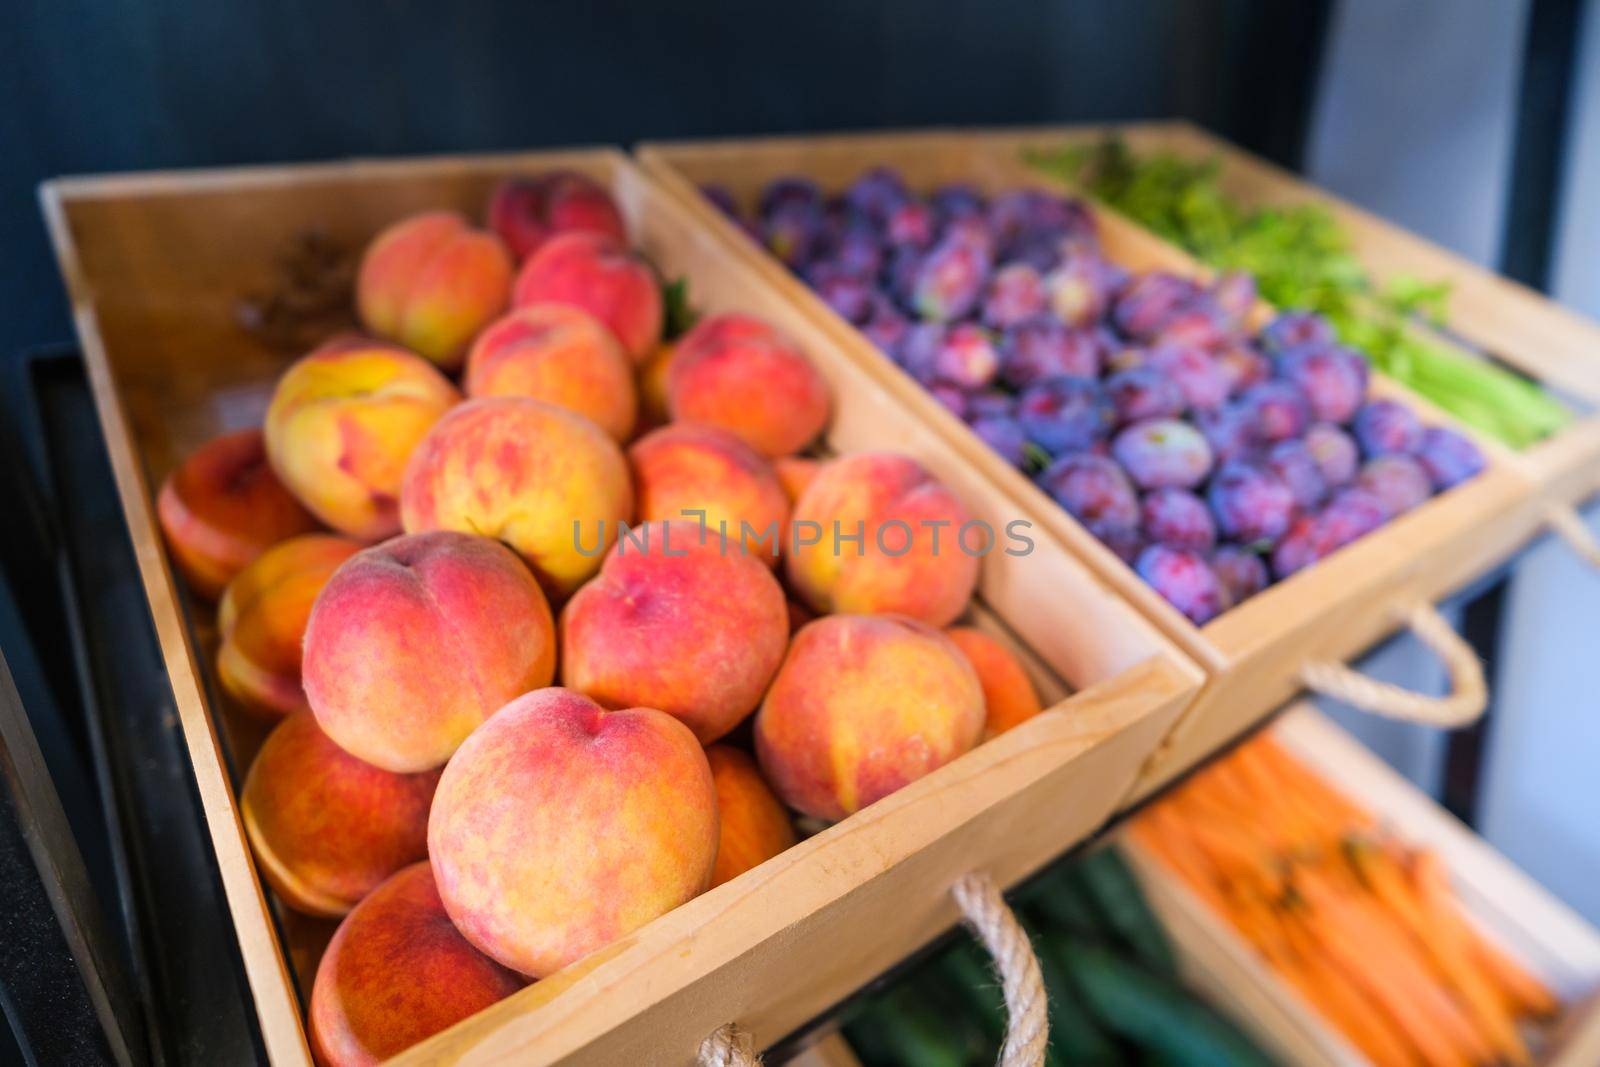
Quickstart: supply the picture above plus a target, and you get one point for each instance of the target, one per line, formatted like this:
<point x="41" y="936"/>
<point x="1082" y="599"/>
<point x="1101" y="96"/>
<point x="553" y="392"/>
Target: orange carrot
<point x="1346" y="1006"/>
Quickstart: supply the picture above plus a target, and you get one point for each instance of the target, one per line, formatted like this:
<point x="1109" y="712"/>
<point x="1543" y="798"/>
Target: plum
<point x="1144" y="393"/>
<point x="1351" y="514"/>
<point x="1015" y="295"/>
<point x="885" y="327"/>
<point x="1001" y="433"/>
<point x="1335" y="452"/>
<point x="1229" y="431"/>
<point x="1096" y="492"/>
<point x="792" y="232"/>
<point x="1295" y="328"/>
<point x="1243" y="574"/>
<point x="1297" y="468"/>
<point x="949" y="280"/>
<point x="1185" y="580"/>
<point x="1204" y="386"/>
<point x="1241" y="367"/>
<point x="986" y="402"/>
<point x="952" y="397"/>
<point x="1234" y="297"/>
<point x="1332" y="379"/>
<point x="1277" y="408"/>
<point x="1078" y="290"/>
<point x="955" y="201"/>
<point x="1149" y="301"/>
<point x="1160" y="453"/>
<point x="1300" y="547"/>
<point x="1387" y="428"/>
<point x="1450" y="458"/>
<point x="1045" y="348"/>
<point x="1177" y="518"/>
<point x="966" y="357"/>
<point x="1399" y="482"/>
<point x="877" y="193"/>
<point x="1251" y="504"/>
<point x="1065" y="414"/>
<point x="919" y="348"/>
<point x="787" y="191"/>
<point x="910" y="225"/>
<point x="850" y="296"/>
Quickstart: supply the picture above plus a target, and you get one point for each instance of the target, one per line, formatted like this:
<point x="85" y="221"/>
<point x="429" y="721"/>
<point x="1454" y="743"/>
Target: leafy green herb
<point x="1302" y="259"/>
<point x="679" y="313"/>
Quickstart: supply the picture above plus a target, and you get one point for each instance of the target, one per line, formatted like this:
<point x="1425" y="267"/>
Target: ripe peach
<point x="326" y="827"/>
<point x="755" y="826"/>
<point x="906" y="552"/>
<point x="1009" y="697"/>
<point x="559" y="827"/>
<point x="547" y="482"/>
<point x="526" y="212"/>
<point x="262" y="620"/>
<point x="686" y="467"/>
<point x="653" y="386"/>
<point x="863" y="705"/>
<point x="737" y="372"/>
<point x="680" y="625"/>
<point x="416" y="641"/>
<point x="559" y="354"/>
<point x="795" y="473"/>
<point x="396" y="973"/>
<point x="222" y="507"/>
<point x="598" y="274"/>
<point x="431" y="282"/>
<point x="342" y="423"/>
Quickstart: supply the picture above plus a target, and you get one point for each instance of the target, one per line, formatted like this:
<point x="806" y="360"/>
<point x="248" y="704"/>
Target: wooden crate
<point x="154" y="264"/>
<point x="1254" y="654"/>
<point x="1521" y="917"/>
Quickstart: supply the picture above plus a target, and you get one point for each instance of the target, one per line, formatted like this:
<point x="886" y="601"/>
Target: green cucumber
<point x="1074" y="1035"/>
<point x="1114" y="894"/>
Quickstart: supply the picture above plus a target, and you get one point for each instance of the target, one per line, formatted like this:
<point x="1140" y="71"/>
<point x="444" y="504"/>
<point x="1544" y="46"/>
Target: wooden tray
<point x="1254" y="654"/>
<point x="154" y="265"/>
<point x="1523" y="919"/>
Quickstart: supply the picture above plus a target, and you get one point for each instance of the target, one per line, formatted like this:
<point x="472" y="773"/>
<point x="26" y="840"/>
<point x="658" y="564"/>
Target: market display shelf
<point x="1257" y="655"/>
<point x="155" y="266"/>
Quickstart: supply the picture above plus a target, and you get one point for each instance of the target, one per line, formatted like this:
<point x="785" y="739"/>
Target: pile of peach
<point x="404" y="572"/>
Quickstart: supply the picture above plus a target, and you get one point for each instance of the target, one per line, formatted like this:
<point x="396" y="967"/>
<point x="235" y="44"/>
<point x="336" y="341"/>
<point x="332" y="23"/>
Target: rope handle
<point x="1027" y="1009"/>
<point x="1567" y="524"/>
<point x="1466" y="701"/>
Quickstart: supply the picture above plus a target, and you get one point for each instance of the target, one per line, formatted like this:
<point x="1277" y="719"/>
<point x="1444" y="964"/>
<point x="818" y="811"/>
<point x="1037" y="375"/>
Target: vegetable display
<point x="1110" y="972"/>
<point x="1212" y="454"/>
<point x="1302" y="259"/>
<point x="1364" y="927"/>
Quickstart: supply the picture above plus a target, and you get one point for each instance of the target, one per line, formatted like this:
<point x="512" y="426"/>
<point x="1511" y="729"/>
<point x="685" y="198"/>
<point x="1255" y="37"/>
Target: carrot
<point x="1382" y="874"/>
<point x="1523" y="993"/>
<point x="1344" y="1005"/>
<point x="1157" y="830"/>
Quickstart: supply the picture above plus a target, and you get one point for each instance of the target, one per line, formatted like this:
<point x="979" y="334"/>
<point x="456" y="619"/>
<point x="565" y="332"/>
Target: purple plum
<point x="951" y="396"/>
<point x="1234" y="297"/>
<point x="1045" y="348"/>
<point x="1449" y="457"/>
<point x="877" y="193"/>
<point x="1295" y="328"/>
<point x="1387" y="428"/>
<point x="1185" y="580"/>
<point x="1351" y="514"/>
<point x="1333" y="379"/>
<point x="991" y="402"/>
<point x="1149" y="301"/>
<point x="1160" y="453"/>
<point x="1278" y="409"/>
<point x="1252" y="505"/>
<point x="1144" y="393"/>
<point x="1242" y="574"/>
<point x="1242" y="366"/>
<point x="910" y="225"/>
<point x="1001" y="433"/>
<point x="919" y="348"/>
<point x="1297" y="468"/>
<point x="886" y="327"/>
<point x="1177" y="518"/>
<point x="1229" y="431"/>
<point x="955" y="201"/>
<point x="1065" y="414"/>
<point x="1015" y="295"/>
<point x="1204" y="386"/>
<point x="1096" y="492"/>
<point x="1299" y="548"/>
<point x="1335" y="452"/>
<point x="849" y="296"/>
<point x="789" y="191"/>
<point x="1078" y="290"/>
<point x="966" y="357"/>
<point x="949" y="280"/>
<point x="792" y="232"/>
<point x="1399" y="482"/>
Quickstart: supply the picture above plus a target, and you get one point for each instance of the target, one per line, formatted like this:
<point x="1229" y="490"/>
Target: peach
<point x="343" y="422"/>
<point x="222" y="507"/>
<point x="686" y="467"/>
<point x="653" y="386"/>
<point x="795" y="473"/>
<point x="262" y="620"/>
<point x="737" y="372"/>
<point x="560" y="826"/>
<point x="559" y="354"/>
<point x="430" y="282"/>
<point x="863" y="705"/>
<point x="326" y="827"/>
<point x="755" y="826"/>
<point x="526" y="212"/>
<point x="676" y="623"/>
<point x="415" y="642"/>
<point x="1009" y="697"/>
<point x="545" y="481"/>
<point x="396" y="973"/>
<point x="875" y="533"/>
<point x="598" y="274"/>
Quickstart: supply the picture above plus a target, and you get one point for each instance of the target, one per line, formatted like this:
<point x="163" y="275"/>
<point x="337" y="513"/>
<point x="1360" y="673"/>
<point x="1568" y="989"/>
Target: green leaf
<point x="680" y="315"/>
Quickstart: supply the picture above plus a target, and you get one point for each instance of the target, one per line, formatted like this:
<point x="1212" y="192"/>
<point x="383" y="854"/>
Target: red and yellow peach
<point x="342" y="424"/>
<point x="526" y="212"/>
<point x="706" y="475"/>
<point x="262" y="620"/>
<point x="598" y="274"/>
<point x="678" y="623"/>
<point x="1009" y="697"/>
<point x="430" y="282"/>
<point x="559" y="354"/>
<point x="755" y="826"/>
<point x="862" y="706"/>
<point x="326" y="827"/>
<point x="737" y="372"/>
<point x="396" y="973"/>
<point x="559" y="827"/>
<point x="545" y="481"/>
<point x="415" y="642"/>
<point x="906" y="554"/>
<point x="222" y="507"/>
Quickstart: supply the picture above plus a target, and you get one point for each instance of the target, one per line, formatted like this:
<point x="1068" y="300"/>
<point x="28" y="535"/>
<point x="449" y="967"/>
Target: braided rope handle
<point x="1466" y="701"/>
<point x="1027" y="1007"/>
<point x="1567" y="524"/>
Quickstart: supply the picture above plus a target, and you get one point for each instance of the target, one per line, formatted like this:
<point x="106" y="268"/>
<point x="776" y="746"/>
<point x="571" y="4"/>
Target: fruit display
<point x="524" y="587"/>
<point x="1110" y="971"/>
<point x="1364" y="927"/>
<point x="1303" y="259"/>
<point x="1212" y="454"/>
